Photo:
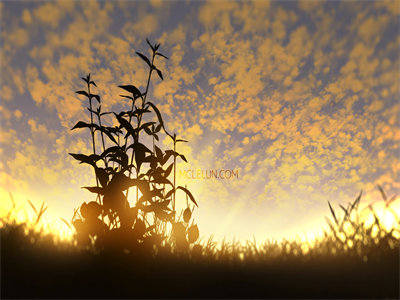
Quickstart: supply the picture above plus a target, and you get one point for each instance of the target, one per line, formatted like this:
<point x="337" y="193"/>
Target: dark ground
<point x="33" y="274"/>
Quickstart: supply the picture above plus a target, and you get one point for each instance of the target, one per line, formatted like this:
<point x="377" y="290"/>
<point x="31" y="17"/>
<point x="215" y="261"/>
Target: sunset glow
<point x="301" y="98"/>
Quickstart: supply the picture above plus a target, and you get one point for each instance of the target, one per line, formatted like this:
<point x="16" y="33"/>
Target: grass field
<point x="359" y="260"/>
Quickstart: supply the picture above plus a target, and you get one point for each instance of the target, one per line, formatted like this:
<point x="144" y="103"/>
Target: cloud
<point x="146" y="25"/>
<point x="51" y="14"/>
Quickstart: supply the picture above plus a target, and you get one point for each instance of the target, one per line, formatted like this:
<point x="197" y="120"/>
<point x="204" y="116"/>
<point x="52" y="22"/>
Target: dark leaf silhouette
<point x="102" y="176"/>
<point x="144" y="58"/>
<point x="168" y="170"/>
<point x="97" y="97"/>
<point x="125" y="124"/>
<point x="187" y="193"/>
<point x="148" y="131"/>
<point x="146" y="125"/>
<point x="93" y="111"/>
<point x="159" y="153"/>
<point x="110" y="221"/>
<point x="169" y="193"/>
<point x="158" y="53"/>
<point x="160" y="74"/>
<point x="95" y="189"/>
<point x="91" y="159"/>
<point x="126" y="96"/>
<point x="93" y="209"/>
<point x="158" y="128"/>
<point x="160" y="120"/>
<point x="151" y="46"/>
<point x="131" y="89"/>
<point x="113" y="149"/>
<point x="82" y="93"/>
<point x="139" y="147"/>
<point x="108" y="131"/>
<point x="82" y="124"/>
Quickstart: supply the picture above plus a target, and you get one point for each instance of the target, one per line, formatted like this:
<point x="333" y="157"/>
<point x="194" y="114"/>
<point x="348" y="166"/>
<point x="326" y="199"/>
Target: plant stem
<point x="173" y="203"/>
<point x="91" y="120"/>
<point x="92" y="133"/>
<point x="138" y="126"/>
<point x="102" y="138"/>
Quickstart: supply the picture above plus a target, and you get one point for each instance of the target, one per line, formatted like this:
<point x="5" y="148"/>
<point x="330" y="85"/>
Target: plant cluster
<point x="126" y="162"/>
<point x="352" y="231"/>
<point x="362" y="241"/>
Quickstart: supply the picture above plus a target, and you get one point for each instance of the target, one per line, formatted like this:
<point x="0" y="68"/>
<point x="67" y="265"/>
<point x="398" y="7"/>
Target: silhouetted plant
<point x="352" y="231"/>
<point x="112" y="222"/>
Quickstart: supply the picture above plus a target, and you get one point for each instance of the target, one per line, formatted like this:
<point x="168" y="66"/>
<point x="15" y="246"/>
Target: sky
<point x="301" y="98"/>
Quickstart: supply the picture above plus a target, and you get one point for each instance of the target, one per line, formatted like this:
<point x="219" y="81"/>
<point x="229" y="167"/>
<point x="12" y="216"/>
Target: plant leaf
<point x="82" y="124"/>
<point x="159" y="152"/>
<point x="193" y="233"/>
<point x="125" y="124"/>
<point x="92" y="111"/>
<point x="97" y="97"/>
<point x="160" y="120"/>
<point x="158" y="128"/>
<point x="83" y="93"/>
<point x="158" y="53"/>
<point x="126" y="96"/>
<point x="95" y="189"/>
<point x="102" y="176"/>
<point x="146" y="125"/>
<point x="168" y="170"/>
<point x="187" y="193"/>
<point x="107" y="131"/>
<point x="144" y="58"/>
<point x="91" y="159"/>
<point x="151" y="46"/>
<point x="187" y="214"/>
<point x="160" y="74"/>
<point x="169" y="194"/>
<point x="131" y="89"/>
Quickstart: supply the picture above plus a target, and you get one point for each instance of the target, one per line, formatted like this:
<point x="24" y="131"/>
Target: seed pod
<point x="193" y="233"/>
<point x="187" y="214"/>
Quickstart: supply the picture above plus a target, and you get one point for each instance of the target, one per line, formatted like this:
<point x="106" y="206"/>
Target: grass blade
<point x="333" y="213"/>
<point x="382" y="192"/>
<point x="33" y="207"/>
<point x="66" y="222"/>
